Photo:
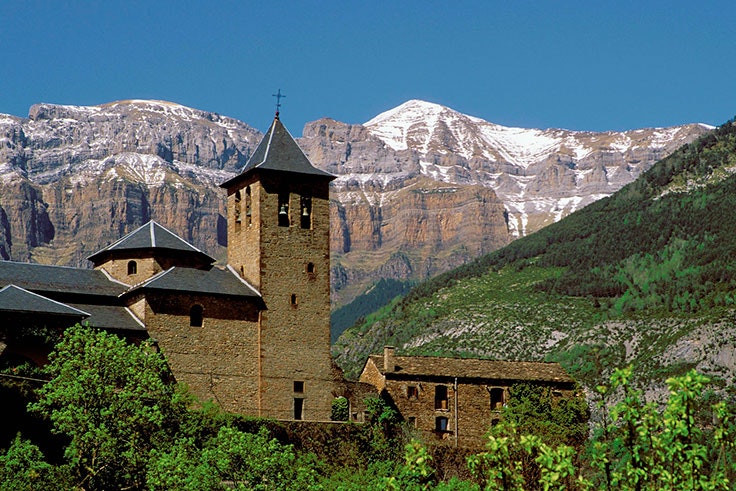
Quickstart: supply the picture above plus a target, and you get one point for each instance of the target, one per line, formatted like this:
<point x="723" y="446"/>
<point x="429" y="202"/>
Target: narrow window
<point x="310" y="268"/>
<point x="440" y="424"/>
<point x="412" y="421"/>
<point x="306" y="211"/>
<point x="247" y="206"/>
<point x="283" y="209"/>
<point x="196" y="315"/>
<point x="412" y="392"/>
<point x="299" y="386"/>
<point x="496" y="399"/>
<point x="294" y="302"/>
<point x="440" y="397"/>
<point x="298" y="408"/>
<point x="237" y="206"/>
<point x="132" y="267"/>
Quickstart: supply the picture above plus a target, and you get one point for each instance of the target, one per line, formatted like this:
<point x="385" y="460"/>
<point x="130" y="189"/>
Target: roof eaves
<point x="47" y="299"/>
<point x="107" y="275"/>
<point x="135" y="318"/>
<point x="146" y="282"/>
<point x="235" y="273"/>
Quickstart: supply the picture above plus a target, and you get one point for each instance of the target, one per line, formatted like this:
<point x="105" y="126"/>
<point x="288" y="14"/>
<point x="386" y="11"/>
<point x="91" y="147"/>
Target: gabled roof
<point x="19" y="301"/>
<point x="215" y="281"/>
<point x="473" y="368"/>
<point x="278" y="152"/>
<point x="42" y="278"/>
<point x="151" y="236"/>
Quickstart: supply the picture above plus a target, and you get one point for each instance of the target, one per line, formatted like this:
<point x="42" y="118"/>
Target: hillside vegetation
<point x="647" y="276"/>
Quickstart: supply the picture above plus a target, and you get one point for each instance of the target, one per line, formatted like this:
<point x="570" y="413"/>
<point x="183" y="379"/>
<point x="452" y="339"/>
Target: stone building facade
<point x="456" y="400"/>
<point x="254" y="336"/>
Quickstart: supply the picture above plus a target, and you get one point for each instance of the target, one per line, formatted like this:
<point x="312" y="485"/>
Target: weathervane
<point x="278" y="95"/>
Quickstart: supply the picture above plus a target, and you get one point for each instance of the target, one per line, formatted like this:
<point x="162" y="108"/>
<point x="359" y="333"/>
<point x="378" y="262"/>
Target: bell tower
<point x="278" y="240"/>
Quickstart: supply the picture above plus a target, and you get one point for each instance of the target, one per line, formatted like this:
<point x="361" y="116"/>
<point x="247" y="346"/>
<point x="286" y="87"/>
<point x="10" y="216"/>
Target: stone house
<point x="456" y="400"/>
<point x="254" y="335"/>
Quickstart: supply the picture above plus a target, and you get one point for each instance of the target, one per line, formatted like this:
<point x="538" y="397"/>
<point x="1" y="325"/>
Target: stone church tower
<point x="278" y="240"/>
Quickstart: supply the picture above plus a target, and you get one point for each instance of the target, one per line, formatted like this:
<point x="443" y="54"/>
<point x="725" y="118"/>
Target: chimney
<point x="389" y="362"/>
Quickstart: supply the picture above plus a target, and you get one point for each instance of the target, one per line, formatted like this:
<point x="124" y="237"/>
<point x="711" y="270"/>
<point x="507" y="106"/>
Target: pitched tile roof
<point x="428" y="366"/>
<point x="18" y="300"/>
<point x="42" y="278"/>
<point x="151" y="236"/>
<point x="110" y="317"/>
<point x="279" y="152"/>
<point x="215" y="281"/>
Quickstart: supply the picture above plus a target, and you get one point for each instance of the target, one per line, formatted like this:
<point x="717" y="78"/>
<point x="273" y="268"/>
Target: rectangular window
<point x="298" y="387"/>
<point x="412" y="421"/>
<point x="496" y="399"/>
<point x="412" y="392"/>
<point x="298" y="408"/>
<point x="440" y="397"/>
<point x="440" y="424"/>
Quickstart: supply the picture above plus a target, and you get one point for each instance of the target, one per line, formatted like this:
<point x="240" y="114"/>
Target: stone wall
<point x="290" y="266"/>
<point x="218" y="361"/>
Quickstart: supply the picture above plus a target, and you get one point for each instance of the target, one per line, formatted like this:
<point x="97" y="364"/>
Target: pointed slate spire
<point x="278" y="151"/>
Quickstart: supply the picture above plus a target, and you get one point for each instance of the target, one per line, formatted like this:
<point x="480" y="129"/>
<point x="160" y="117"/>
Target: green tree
<point x="340" y="409"/>
<point x="643" y="448"/>
<point x="114" y="402"/>
<point x="22" y="467"/>
<point x="232" y="460"/>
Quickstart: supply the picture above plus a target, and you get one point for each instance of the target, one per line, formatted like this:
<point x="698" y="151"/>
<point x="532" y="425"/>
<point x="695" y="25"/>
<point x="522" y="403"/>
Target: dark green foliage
<point x="666" y="241"/>
<point x="340" y="409"/>
<point x="534" y="410"/>
<point x="23" y="467"/>
<point x="375" y="297"/>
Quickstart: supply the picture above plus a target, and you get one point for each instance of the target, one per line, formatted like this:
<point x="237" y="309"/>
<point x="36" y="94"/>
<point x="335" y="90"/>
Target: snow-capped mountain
<point x="420" y="188"/>
<point x="540" y="175"/>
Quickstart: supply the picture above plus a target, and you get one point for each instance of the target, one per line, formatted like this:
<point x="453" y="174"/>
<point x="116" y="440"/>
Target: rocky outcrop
<point x="419" y="190"/>
<point x="74" y="179"/>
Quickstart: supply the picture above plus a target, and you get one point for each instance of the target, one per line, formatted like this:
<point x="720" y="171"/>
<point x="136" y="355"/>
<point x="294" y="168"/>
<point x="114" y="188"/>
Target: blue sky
<point x="583" y="65"/>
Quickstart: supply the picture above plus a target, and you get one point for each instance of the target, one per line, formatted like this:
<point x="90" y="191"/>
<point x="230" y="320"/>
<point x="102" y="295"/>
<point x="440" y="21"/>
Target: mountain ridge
<point x="76" y="177"/>
<point x="643" y="277"/>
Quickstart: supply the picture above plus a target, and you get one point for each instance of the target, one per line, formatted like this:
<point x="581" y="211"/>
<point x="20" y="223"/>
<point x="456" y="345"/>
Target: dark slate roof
<point x="110" y="317"/>
<point x="17" y="300"/>
<point x="428" y="366"/>
<point x="41" y="278"/>
<point x="215" y="281"/>
<point x="279" y="152"/>
<point x="151" y="236"/>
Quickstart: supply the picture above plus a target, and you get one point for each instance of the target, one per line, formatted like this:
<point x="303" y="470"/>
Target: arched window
<point x="237" y="206"/>
<point x="132" y="267"/>
<point x="305" y="214"/>
<point x="196" y="315"/>
<point x="247" y="206"/>
<point x="283" y="209"/>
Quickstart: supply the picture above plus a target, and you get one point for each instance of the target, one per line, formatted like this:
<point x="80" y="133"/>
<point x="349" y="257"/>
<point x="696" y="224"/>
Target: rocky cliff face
<point x="73" y="179"/>
<point x="420" y="189"/>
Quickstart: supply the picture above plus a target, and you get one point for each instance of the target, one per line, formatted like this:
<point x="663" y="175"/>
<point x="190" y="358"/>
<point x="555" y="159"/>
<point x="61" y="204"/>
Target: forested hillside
<point x="647" y="276"/>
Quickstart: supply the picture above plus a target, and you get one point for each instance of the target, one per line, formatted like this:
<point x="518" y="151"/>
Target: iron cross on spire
<point x="278" y="95"/>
